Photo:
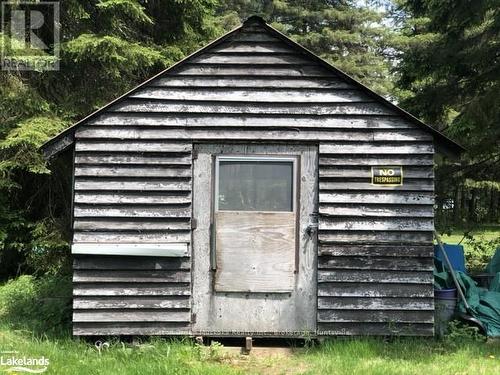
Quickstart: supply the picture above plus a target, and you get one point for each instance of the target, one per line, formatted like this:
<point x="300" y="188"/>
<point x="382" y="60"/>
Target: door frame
<point x="256" y="314"/>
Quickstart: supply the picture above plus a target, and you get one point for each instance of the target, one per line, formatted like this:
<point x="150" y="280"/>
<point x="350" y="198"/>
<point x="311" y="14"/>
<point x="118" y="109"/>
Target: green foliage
<point x="350" y="36"/>
<point x="459" y="333"/>
<point x="39" y="305"/>
<point x="479" y="251"/>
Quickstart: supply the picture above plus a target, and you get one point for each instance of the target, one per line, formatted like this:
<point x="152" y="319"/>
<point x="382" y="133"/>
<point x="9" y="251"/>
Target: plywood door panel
<point x="255" y="251"/>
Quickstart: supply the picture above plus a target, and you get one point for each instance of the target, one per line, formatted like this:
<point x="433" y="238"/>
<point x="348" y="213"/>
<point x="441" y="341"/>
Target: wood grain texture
<point x="255" y="251"/>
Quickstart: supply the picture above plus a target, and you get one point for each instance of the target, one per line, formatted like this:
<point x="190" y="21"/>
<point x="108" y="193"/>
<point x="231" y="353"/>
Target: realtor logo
<point x="30" y="35"/>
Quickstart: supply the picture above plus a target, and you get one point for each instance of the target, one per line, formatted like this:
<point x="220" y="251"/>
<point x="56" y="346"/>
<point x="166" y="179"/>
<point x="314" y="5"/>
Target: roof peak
<point x="254" y="19"/>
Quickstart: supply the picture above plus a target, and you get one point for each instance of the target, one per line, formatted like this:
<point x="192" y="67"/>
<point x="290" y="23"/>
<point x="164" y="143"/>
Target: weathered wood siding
<point x="133" y="184"/>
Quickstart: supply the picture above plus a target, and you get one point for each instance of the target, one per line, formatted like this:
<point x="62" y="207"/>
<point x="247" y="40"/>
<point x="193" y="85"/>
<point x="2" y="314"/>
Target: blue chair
<point x="455" y="254"/>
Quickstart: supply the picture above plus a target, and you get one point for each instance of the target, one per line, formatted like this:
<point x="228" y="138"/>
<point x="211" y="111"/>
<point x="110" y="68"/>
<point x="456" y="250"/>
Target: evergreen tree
<point x="449" y="75"/>
<point x="349" y="35"/>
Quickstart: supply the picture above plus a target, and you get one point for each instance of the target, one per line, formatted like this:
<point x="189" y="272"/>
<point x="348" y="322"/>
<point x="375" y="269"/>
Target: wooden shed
<point x="252" y="189"/>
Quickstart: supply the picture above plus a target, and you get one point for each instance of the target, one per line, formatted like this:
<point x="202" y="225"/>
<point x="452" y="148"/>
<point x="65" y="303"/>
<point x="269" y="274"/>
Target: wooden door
<point x="254" y="259"/>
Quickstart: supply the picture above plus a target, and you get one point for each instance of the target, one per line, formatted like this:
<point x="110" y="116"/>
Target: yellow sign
<point x="387" y="176"/>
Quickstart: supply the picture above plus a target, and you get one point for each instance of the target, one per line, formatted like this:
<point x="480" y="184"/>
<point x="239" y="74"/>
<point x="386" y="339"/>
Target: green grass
<point x="341" y="356"/>
<point x="487" y="233"/>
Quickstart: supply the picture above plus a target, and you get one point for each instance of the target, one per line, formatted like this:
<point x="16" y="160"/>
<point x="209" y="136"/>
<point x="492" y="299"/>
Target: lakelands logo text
<point x="15" y="363"/>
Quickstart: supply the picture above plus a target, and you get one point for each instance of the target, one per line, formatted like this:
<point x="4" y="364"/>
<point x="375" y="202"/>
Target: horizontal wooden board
<point x="251" y="59"/>
<point x="131" y="198"/>
<point x="132" y="159"/>
<point x="159" y="106"/>
<point x="380" y="224"/>
<point x="291" y="70"/>
<point x="375" y="303"/>
<point x="374" y="237"/>
<point x="339" y="210"/>
<point x="248" y="47"/>
<point x="377" y="250"/>
<point x="254" y="37"/>
<point x="385" y="316"/>
<point x="375" y="276"/>
<point x="228" y="95"/>
<point x="374" y="149"/>
<point x="131" y="328"/>
<point x="131" y="276"/>
<point x="119" y="302"/>
<point x="268" y="82"/>
<point x="412" y="185"/>
<point x="289" y="133"/>
<point x="390" y="197"/>
<point x="376" y="263"/>
<point x="112" y="224"/>
<point x="132" y="146"/>
<point x="373" y="329"/>
<point x="116" y="316"/>
<point x="369" y="251"/>
<point x="375" y="290"/>
<point x="125" y="289"/>
<point x="130" y="263"/>
<point x="132" y="237"/>
<point x="132" y="211"/>
<point x="124" y="184"/>
<point x="270" y="121"/>
<point x="365" y="172"/>
<point x="382" y="160"/>
<point x="131" y="171"/>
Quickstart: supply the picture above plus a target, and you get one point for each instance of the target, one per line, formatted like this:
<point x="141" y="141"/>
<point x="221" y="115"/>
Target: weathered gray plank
<point x="374" y="210"/>
<point x="133" y="237"/>
<point x="349" y="149"/>
<point x="106" y="184"/>
<point x="375" y="276"/>
<point x="131" y="328"/>
<point x="381" y="224"/>
<point x="375" y="303"/>
<point x="408" y="185"/>
<point x="131" y="276"/>
<point x="130" y="159"/>
<point x="390" y="197"/>
<point x="132" y="211"/>
<point x="269" y="47"/>
<point x="372" y="237"/>
<point x="288" y="133"/>
<point x="247" y="81"/>
<point x="367" y="290"/>
<point x="271" y="121"/>
<point x="354" y="316"/>
<point x="382" y="329"/>
<point x="376" y="263"/>
<point x="369" y="160"/>
<point x="254" y="37"/>
<point x="251" y="59"/>
<point x="138" y="105"/>
<point x="94" y="224"/>
<point x="131" y="146"/>
<point x="121" y="170"/>
<point x="130" y="263"/>
<point x="130" y="316"/>
<point x="365" y="172"/>
<point x="119" y="302"/>
<point x="131" y="198"/>
<point x="251" y="95"/>
<point x="125" y="289"/>
<point x="251" y="70"/>
<point x="377" y="250"/>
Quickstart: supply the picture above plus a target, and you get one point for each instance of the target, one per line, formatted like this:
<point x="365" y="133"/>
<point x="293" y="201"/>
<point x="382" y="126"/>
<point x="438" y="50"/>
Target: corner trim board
<point x="162" y="250"/>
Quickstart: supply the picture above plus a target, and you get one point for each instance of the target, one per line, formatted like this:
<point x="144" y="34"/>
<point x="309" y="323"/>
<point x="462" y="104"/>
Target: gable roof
<point x="444" y="144"/>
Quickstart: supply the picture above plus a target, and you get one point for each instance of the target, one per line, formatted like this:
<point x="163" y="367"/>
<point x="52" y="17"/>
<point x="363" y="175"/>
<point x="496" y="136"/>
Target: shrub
<point x="479" y="251"/>
<point x="40" y="305"/>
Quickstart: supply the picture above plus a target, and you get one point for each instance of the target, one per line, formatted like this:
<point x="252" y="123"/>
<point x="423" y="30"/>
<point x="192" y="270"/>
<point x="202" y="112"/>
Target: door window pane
<point x="255" y="185"/>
